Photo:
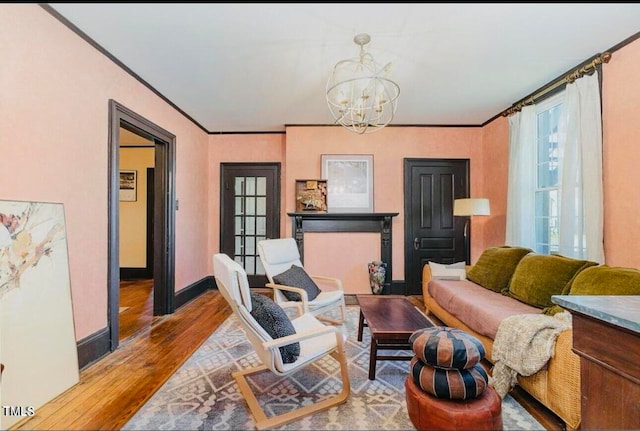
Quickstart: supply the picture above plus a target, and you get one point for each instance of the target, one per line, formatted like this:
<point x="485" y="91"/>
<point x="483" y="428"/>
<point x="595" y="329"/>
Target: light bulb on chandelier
<point x="360" y="96"/>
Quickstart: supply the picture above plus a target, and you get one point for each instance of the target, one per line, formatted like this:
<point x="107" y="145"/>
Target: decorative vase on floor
<point x="377" y="272"/>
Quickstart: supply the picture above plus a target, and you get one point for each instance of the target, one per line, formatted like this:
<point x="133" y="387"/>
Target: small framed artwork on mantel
<point x="128" y="186"/>
<point x="350" y="182"/>
<point x="311" y="196"/>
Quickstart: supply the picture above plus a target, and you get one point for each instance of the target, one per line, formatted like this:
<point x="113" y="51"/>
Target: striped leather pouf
<point x="447" y="347"/>
<point x="449" y="383"/>
<point x="447" y="363"/>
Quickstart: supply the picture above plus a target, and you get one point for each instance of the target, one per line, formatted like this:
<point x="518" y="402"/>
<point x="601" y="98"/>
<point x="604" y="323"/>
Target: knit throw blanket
<point x="523" y="345"/>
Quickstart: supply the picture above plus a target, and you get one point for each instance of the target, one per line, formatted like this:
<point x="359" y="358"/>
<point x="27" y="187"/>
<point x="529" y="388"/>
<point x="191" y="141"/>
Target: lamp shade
<point x="471" y="207"/>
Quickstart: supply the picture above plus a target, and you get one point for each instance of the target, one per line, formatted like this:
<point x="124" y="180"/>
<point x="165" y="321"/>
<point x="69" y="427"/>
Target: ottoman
<point x="430" y="413"/>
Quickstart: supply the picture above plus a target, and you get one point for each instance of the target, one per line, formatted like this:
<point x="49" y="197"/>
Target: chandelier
<point x="360" y="95"/>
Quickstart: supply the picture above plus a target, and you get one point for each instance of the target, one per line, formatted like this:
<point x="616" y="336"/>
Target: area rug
<point x="202" y="395"/>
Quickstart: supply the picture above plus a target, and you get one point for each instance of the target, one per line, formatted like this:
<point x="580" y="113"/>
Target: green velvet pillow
<point x="538" y="276"/>
<point x="607" y="280"/>
<point x="496" y="265"/>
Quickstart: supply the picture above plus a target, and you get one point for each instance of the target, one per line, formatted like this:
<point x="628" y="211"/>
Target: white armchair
<point x="316" y="340"/>
<point x="277" y="256"/>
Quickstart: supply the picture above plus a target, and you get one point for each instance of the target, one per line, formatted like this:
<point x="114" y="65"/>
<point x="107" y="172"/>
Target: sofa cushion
<point x="453" y="271"/>
<point x="447" y="347"/>
<point x="602" y="280"/>
<point x="538" y="276"/>
<point x="606" y="280"/>
<point x="480" y="308"/>
<point x="449" y="383"/>
<point x="495" y="266"/>
<point x="296" y="276"/>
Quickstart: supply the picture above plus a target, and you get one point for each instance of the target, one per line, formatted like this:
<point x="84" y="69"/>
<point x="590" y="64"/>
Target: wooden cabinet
<point x="606" y="336"/>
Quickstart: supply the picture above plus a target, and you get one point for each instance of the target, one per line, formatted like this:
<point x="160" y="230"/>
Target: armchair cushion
<point x="296" y="276"/>
<point x="275" y="321"/>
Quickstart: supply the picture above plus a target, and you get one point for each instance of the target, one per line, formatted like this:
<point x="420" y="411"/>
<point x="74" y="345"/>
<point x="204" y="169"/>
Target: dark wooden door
<point x="432" y="233"/>
<point x="250" y="212"/>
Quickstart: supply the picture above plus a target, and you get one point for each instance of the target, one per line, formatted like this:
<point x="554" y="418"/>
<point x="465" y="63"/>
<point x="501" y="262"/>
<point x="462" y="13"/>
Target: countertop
<point x="619" y="310"/>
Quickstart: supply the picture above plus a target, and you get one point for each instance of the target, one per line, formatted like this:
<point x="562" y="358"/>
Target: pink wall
<point x="54" y="138"/>
<point x="389" y="147"/>
<point x="621" y="131"/>
<point x="495" y="144"/>
<point x="259" y="147"/>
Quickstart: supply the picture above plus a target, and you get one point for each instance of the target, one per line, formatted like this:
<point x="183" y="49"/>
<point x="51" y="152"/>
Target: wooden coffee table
<point x="391" y="320"/>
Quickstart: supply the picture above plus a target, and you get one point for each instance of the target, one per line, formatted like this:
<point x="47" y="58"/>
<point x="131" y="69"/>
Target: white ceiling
<point x="248" y="67"/>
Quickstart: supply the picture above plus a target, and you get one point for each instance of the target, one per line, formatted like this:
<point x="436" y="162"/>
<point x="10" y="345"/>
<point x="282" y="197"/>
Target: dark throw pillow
<point x="447" y="347"/>
<point x="274" y="320"/>
<point x="297" y="277"/>
<point x="495" y="266"/>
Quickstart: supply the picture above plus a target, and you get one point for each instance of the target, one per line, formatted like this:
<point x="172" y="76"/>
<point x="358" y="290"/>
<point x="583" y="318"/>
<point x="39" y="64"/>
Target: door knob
<point x="416" y="243"/>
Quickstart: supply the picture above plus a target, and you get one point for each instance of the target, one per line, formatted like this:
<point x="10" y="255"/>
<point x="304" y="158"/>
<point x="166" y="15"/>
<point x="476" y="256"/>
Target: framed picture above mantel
<point x="349" y="181"/>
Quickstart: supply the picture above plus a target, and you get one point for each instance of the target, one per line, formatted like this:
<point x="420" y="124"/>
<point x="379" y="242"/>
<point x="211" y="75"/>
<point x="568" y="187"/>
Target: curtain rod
<point x="567" y="79"/>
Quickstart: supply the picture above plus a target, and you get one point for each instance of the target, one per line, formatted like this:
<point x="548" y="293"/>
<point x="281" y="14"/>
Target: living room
<point x="56" y="90"/>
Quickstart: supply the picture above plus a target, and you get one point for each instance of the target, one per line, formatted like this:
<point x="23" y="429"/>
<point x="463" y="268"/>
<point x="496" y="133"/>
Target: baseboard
<point x="93" y="347"/>
<point x="398" y="287"/>
<point x="135" y="273"/>
<point x="194" y="290"/>
<point x="96" y="345"/>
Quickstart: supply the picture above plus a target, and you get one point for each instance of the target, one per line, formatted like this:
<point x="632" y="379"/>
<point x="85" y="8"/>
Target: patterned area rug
<point x="202" y="395"/>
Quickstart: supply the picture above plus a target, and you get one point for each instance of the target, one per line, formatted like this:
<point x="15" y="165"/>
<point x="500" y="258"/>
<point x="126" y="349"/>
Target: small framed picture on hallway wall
<point x="128" y="186"/>
<point x="349" y="182"/>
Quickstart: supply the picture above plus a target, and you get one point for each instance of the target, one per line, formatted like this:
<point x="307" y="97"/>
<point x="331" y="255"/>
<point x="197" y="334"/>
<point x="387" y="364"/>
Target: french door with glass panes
<point x="250" y="212"/>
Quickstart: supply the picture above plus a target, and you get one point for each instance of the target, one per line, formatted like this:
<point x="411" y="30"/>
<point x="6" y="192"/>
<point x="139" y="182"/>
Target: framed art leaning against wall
<point x="349" y="182"/>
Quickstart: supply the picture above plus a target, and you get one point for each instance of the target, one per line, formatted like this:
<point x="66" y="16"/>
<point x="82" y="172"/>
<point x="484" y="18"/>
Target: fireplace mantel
<point x="347" y="222"/>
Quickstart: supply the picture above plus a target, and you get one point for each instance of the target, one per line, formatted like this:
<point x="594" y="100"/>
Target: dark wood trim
<point x="164" y="253"/>
<point x="150" y="219"/>
<point x="398" y="287"/>
<point x="255" y="132"/>
<point x="93" y="347"/>
<point x="134" y="273"/>
<point x="102" y="50"/>
<point x="111" y="57"/>
<point x="194" y="290"/>
<point x="561" y="77"/>
<point x="348" y="222"/>
<point x="228" y="171"/>
<point x="164" y="214"/>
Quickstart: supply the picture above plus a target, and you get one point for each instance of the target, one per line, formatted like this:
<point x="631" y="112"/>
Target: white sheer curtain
<point x="580" y="148"/>
<point x="521" y="186"/>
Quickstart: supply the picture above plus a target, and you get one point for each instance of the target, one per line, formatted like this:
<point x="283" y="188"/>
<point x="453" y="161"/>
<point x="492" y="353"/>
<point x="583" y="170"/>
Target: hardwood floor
<point x="112" y="389"/>
<point x="136" y="306"/>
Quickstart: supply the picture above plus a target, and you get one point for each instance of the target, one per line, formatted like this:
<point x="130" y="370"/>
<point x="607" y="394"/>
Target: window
<point x="547" y="186"/>
<point x="554" y="199"/>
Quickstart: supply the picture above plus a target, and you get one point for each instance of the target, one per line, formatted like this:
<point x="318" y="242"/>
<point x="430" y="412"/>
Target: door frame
<point x="164" y="215"/>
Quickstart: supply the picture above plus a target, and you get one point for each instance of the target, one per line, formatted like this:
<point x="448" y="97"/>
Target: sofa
<point x="507" y="281"/>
